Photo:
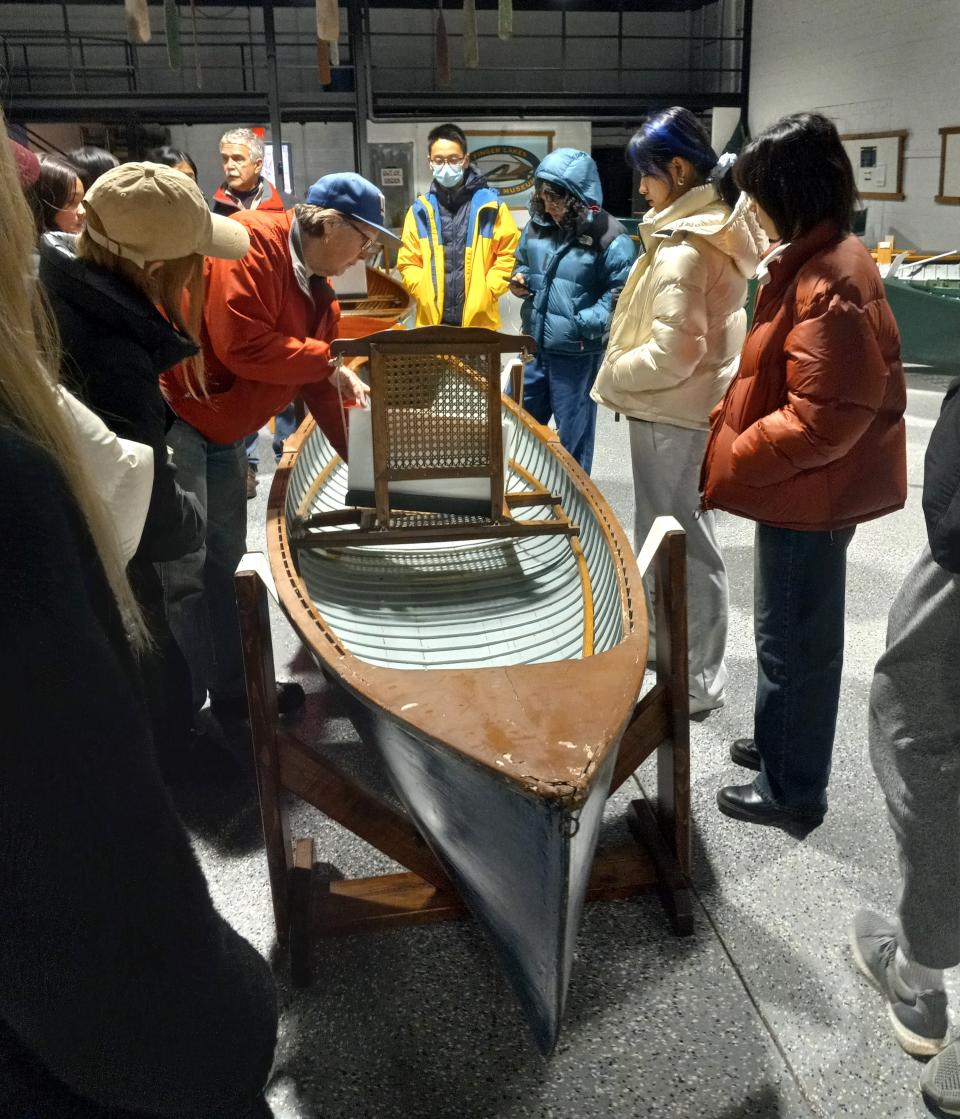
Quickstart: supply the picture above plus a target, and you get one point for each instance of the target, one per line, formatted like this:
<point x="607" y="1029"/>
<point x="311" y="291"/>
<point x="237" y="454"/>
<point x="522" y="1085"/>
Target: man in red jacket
<point x="267" y="328"/>
<point x="243" y="186"/>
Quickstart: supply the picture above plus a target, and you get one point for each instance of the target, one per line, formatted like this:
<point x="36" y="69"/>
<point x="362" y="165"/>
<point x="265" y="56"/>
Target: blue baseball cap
<point x="353" y="196"/>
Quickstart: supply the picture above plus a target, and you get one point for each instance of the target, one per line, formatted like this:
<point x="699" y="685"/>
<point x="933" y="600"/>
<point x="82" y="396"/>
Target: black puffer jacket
<point x="115" y="346"/>
<point x="119" y="982"/>
<point x="941" y="483"/>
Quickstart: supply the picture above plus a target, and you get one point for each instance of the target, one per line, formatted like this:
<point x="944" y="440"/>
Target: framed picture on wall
<point x="949" y="192"/>
<point x="877" y="159"/>
<point x="508" y="159"/>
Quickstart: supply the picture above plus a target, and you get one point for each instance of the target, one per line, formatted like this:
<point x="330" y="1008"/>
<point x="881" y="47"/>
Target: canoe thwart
<point x="439" y="531"/>
<point x="531" y="497"/>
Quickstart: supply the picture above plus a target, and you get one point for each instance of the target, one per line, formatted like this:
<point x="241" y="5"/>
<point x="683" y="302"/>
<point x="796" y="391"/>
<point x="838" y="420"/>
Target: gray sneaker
<point x="940" y="1080"/>
<point x="919" y="1018"/>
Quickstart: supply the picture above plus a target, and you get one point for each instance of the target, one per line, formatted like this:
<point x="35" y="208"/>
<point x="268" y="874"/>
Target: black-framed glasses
<point x="368" y="242"/>
<point x="451" y="160"/>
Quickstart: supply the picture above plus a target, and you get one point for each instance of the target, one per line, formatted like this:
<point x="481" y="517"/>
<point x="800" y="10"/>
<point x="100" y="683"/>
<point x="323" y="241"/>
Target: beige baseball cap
<point x="148" y="211"/>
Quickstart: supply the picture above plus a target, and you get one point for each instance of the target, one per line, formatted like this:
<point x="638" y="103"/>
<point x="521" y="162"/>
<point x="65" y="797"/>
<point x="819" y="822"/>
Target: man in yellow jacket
<point x="459" y="240"/>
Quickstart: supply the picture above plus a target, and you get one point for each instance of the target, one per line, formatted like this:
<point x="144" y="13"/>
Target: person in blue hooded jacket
<point x="572" y="262"/>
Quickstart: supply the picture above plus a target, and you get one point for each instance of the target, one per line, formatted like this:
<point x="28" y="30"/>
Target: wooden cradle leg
<point x="661" y="723"/>
<point x="261" y="683"/>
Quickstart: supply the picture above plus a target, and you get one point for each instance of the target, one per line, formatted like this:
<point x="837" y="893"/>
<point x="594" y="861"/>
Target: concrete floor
<point x="759" y="1013"/>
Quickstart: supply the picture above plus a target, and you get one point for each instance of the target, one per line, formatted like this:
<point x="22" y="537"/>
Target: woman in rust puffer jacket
<point x="808" y="441"/>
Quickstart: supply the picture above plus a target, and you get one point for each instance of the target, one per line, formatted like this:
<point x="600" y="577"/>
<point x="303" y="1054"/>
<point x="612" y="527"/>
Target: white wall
<point x="871" y="66"/>
<point x="316" y="149"/>
<point x="319" y="149"/>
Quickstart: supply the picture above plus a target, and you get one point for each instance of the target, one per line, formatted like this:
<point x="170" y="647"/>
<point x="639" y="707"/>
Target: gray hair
<point x="246" y="136"/>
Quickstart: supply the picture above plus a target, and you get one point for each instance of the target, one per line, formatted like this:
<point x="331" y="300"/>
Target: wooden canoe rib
<point x="499" y="735"/>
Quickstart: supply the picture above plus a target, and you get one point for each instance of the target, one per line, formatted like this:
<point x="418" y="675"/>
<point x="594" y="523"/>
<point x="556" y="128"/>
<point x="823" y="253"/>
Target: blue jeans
<point x="198" y="589"/>
<point x="284" y="425"/>
<point x="799" y="591"/>
<point x="559" y="385"/>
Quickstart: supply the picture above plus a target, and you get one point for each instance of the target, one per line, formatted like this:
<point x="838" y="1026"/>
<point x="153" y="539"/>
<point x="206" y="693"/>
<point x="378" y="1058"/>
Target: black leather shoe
<point x="744" y="752"/>
<point x="743" y="802"/>
<point x="290" y="698"/>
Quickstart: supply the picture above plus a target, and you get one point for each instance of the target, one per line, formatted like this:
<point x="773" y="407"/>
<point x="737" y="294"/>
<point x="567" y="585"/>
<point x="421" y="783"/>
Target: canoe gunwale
<point x="519" y="693"/>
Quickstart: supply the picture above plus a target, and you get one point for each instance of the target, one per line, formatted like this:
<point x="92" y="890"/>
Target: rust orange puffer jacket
<point x="810" y="433"/>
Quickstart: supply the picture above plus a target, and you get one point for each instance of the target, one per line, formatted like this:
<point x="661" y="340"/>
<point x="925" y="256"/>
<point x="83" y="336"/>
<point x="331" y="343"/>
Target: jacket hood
<point x="101" y="295"/>
<point x="575" y="171"/>
<point x="701" y="211"/>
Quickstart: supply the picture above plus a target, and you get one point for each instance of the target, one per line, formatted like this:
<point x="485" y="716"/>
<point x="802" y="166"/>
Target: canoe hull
<point x="520" y="862"/>
<point x="929" y="324"/>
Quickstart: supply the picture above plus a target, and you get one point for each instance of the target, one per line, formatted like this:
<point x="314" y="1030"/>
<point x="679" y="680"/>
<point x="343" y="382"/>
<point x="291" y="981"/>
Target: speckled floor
<point x="759" y="1013"/>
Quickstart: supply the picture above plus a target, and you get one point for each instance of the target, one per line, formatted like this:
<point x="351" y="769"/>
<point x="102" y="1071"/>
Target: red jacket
<point x="273" y="200"/>
<point x="265" y="341"/>
<point x="810" y="434"/>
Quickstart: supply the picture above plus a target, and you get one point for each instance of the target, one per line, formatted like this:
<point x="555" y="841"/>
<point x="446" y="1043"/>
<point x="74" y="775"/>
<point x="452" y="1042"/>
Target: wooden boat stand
<point x="302" y="905"/>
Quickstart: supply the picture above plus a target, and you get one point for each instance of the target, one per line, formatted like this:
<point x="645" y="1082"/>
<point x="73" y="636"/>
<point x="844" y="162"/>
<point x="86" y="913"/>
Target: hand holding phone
<point x="518" y="286"/>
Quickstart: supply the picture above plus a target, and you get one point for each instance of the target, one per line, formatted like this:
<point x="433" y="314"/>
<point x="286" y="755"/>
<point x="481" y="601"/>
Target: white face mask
<point x="446" y="175"/>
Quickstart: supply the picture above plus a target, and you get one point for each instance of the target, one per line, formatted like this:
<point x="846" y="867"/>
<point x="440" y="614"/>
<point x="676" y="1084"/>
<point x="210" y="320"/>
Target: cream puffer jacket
<point x="680" y="322"/>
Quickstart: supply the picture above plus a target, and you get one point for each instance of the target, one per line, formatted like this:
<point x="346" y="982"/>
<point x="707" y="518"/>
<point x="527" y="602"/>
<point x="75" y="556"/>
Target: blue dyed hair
<point x="676" y="132"/>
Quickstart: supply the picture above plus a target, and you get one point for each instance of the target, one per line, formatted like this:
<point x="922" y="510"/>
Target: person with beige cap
<point x="117" y="292"/>
<point x="123" y="993"/>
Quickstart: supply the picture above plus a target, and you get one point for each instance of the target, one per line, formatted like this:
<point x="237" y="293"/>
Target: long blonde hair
<point x="29" y="364"/>
<point x="164" y="287"/>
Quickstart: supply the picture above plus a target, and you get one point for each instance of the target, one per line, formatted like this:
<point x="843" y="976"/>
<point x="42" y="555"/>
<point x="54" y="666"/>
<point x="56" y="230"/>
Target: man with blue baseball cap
<point x="267" y="328"/>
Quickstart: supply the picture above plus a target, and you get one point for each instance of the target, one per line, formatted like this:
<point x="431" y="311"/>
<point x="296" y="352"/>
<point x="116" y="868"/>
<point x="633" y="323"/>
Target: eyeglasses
<point x="368" y="242"/>
<point x="450" y="160"/>
<point x="552" y="195"/>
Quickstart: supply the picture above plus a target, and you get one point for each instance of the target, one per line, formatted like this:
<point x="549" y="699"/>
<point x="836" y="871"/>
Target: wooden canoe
<point x="500" y="676"/>
<point x="387" y="301"/>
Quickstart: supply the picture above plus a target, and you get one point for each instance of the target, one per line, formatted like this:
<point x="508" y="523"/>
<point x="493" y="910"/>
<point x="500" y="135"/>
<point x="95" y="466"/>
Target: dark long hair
<point x="677" y="132"/>
<point x="170" y="157"/>
<point x="54" y="189"/>
<point x="91" y="163"/>
<point x="798" y="172"/>
<point x="575" y="216"/>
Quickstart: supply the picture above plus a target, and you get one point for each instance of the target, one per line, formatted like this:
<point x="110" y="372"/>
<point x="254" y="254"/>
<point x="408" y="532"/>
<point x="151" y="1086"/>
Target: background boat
<point x="499" y="676"/>
<point x="387" y="301"/>
<point x="924" y="294"/>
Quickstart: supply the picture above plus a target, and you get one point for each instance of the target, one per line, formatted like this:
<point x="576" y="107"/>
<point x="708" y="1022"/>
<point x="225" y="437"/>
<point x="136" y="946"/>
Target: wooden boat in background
<point x="387" y="301"/>
<point x="500" y="675"/>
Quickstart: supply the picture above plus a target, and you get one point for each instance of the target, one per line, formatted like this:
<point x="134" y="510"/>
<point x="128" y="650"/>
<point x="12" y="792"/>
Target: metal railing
<point x="567" y="65"/>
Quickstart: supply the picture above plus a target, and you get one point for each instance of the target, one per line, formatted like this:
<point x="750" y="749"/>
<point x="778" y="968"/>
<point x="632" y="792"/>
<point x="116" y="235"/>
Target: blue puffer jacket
<point x="575" y="280"/>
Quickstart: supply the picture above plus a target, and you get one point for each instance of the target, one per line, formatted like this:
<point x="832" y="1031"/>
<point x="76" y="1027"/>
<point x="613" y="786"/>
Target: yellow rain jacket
<point x="492" y="238"/>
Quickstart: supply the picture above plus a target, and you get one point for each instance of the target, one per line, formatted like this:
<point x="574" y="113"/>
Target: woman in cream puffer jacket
<point x="674" y="345"/>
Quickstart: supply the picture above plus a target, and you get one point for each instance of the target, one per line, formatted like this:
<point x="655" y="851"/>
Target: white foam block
<point x="360" y="465"/>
